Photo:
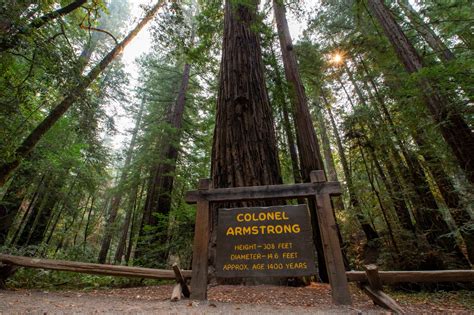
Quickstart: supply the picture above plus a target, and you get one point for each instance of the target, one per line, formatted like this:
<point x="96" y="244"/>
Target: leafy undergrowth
<point x="62" y="280"/>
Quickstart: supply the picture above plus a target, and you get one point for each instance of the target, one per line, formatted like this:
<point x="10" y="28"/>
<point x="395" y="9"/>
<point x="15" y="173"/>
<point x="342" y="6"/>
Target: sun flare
<point x="337" y="58"/>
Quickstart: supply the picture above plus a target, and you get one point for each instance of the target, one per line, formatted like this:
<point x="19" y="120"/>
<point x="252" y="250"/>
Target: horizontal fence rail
<point x="386" y="277"/>
<point x="90" y="268"/>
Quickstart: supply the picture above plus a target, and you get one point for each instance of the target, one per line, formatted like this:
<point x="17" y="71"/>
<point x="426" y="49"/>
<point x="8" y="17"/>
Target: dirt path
<point x="314" y="299"/>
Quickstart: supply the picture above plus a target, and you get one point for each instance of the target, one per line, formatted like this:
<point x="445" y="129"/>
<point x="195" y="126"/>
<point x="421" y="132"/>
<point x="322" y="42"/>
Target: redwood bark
<point x="244" y="151"/>
<point x="29" y="143"/>
<point x="452" y="125"/>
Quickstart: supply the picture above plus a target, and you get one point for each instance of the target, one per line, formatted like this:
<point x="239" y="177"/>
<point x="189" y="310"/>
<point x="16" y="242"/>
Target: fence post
<point x="200" y="246"/>
<point x="331" y="247"/>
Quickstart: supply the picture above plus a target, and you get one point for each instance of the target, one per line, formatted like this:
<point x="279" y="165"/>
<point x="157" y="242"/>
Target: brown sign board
<point x="265" y="242"/>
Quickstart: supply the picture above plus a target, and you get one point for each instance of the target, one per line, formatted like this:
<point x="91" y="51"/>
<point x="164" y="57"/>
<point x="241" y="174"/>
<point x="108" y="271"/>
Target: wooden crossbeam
<point x="292" y="191"/>
<point x="99" y="269"/>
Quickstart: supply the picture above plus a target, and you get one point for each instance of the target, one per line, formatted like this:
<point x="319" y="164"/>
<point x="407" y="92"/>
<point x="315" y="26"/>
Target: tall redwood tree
<point x="244" y="148"/>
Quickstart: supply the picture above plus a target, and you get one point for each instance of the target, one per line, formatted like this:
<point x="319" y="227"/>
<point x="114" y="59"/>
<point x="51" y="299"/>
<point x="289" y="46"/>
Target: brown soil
<point x="224" y="299"/>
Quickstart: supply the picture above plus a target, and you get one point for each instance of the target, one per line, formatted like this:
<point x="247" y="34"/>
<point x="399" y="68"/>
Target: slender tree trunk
<point x="371" y="176"/>
<point x="12" y="200"/>
<point x="134" y="226"/>
<point x="28" y="144"/>
<point x="76" y="234"/>
<point x="450" y="196"/>
<point x="125" y="228"/>
<point x="123" y="239"/>
<point x="394" y="187"/>
<point x="308" y="146"/>
<point x="31" y="205"/>
<point x="329" y="161"/>
<point x="86" y="229"/>
<point x="442" y="180"/>
<point x="427" y="212"/>
<point x="44" y="215"/>
<point x="453" y="127"/>
<point x="45" y="198"/>
<point x="281" y="98"/>
<point x="159" y="192"/>
<point x="369" y="231"/>
<point x="433" y="40"/>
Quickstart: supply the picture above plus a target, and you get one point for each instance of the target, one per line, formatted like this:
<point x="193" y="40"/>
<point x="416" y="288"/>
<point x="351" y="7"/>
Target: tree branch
<point x="90" y="28"/>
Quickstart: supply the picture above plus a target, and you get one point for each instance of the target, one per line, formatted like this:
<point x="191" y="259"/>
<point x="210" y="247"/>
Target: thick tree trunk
<point x="244" y="151"/>
<point x="453" y="127"/>
<point x="308" y="146"/>
<point x="28" y="144"/>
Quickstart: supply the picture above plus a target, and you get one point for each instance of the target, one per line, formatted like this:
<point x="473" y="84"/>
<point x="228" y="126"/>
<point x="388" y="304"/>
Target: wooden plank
<point x="372" y="273"/>
<point x="292" y="191"/>
<point x="415" y="276"/>
<point x="332" y="251"/>
<point x="99" y="269"/>
<point x="181" y="280"/>
<point x="200" y="246"/>
<point x="176" y="293"/>
<point x="382" y="299"/>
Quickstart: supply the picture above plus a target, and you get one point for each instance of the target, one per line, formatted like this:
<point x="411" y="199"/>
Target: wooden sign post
<point x="318" y="188"/>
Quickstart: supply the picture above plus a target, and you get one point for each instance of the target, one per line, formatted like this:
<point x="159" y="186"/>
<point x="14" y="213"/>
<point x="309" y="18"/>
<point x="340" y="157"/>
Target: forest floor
<point x="224" y="299"/>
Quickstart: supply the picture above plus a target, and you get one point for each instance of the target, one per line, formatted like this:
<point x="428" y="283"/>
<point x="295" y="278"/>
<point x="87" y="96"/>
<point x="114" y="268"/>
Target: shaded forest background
<point x="378" y="95"/>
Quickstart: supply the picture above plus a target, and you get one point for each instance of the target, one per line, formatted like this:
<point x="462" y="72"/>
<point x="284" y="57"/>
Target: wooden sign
<point x="265" y="241"/>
